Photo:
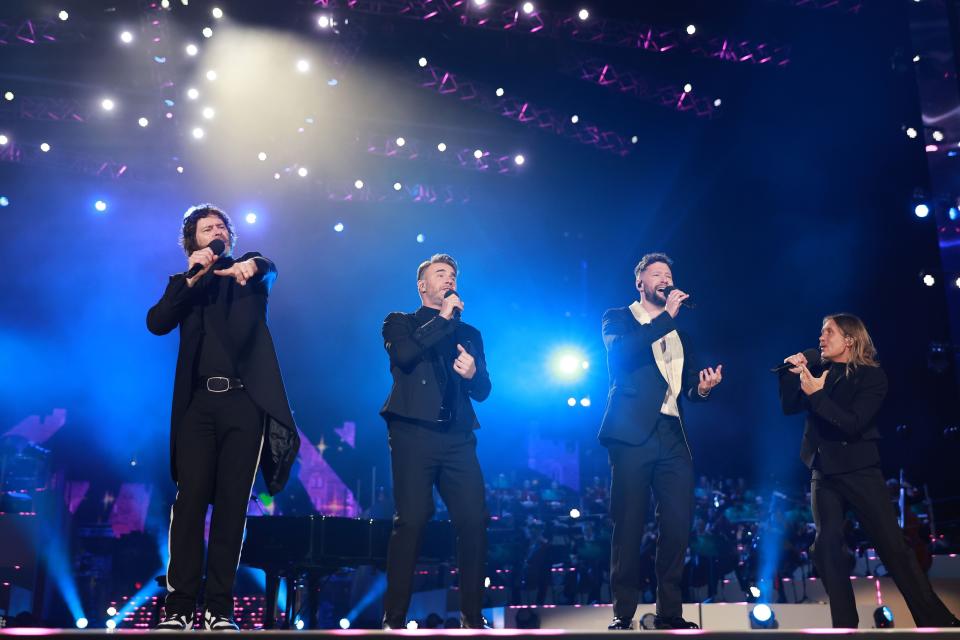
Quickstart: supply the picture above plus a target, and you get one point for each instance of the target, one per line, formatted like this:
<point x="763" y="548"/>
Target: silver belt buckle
<point x="226" y="384"/>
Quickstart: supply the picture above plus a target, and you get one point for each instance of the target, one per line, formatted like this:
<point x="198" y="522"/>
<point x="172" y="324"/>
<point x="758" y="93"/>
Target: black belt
<point x="219" y="384"/>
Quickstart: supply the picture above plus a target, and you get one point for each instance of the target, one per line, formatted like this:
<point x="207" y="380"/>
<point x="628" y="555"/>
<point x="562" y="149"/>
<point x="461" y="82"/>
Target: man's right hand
<point x="450" y="303"/>
<point x="674" y="300"/>
<point x="798" y="360"/>
<point x="205" y="258"/>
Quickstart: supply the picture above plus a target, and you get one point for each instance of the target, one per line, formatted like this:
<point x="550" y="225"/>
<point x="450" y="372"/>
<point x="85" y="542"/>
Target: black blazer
<point x="410" y="340"/>
<point x="245" y="325"/>
<point x="637" y="388"/>
<point x="841" y="432"/>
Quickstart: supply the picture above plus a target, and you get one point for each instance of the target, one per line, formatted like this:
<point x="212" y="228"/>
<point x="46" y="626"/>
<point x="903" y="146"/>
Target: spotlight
<point x="929" y="280"/>
<point x="952" y="213"/>
<point x="480" y="3"/>
<point x="634" y="139"/>
<point x="45" y="147"/>
<point x="111" y="624"/>
<point x="192" y="49"/>
<point x="487" y="582"/>
<point x="931" y="148"/>
<point x="344" y="623"/>
<point x="3" y="140"/>
<point x="207" y="32"/>
<point x="192" y="93"/>
<point x="883" y="617"/>
<point x="276" y="176"/>
<point x="916" y="58"/>
<point x="717" y="102"/>
<point x="261" y="156"/>
<point x="126" y="37"/>
<point x="687" y="88"/>
<point x="584" y="402"/>
<point x="8" y="96"/>
<point x="499" y="92"/>
<point x="299" y="624"/>
<point x="442" y="147"/>
<point x="519" y="159"/>
<point x="571" y="402"/>
<point x="338" y="227"/>
<point x="911" y="132"/>
<point x="4" y="201"/>
<point x="101" y="206"/>
<point x="63" y="15"/>
<point x="761" y="617"/>
<point x="179" y="169"/>
<point x="111" y="611"/>
<point x="208" y="113"/>
<point x="397" y="186"/>
<point x="566" y="364"/>
<point x="401" y="142"/>
<point x="303" y="66"/>
<point x="528" y="8"/>
<point x="143" y="122"/>
<point x="956" y="282"/>
<point x="251" y="218"/>
<point x="413" y="625"/>
<point x="165" y="4"/>
<point x="691" y="29"/>
<point x="937" y="135"/>
<point x="216" y="12"/>
<point x="197" y="133"/>
<point x="584" y="14"/>
<point x="754" y="591"/>
<point x="574" y="118"/>
<point x="211" y="75"/>
<point x="82" y="623"/>
<point x="358" y="183"/>
<point x="302" y="172"/>
<point x="478" y="154"/>
<point x="420" y="238"/>
<point x="574" y="513"/>
<point x="921" y="210"/>
<point x="323" y="22"/>
<point x="422" y="62"/>
<point x="107" y="104"/>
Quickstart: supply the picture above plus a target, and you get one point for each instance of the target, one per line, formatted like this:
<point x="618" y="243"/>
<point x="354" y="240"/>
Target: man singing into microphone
<point x="438" y="367"/>
<point x="651" y="367"/>
<point x="228" y="400"/>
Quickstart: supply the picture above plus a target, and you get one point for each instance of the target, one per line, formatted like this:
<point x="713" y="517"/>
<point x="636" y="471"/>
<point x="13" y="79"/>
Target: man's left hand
<point x="240" y="271"/>
<point x="464" y="365"/>
<point x="810" y="384"/>
<point x="709" y="378"/>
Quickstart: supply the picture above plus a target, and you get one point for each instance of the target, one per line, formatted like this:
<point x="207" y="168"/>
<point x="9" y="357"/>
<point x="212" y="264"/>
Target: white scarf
<point x="668" y="352"/>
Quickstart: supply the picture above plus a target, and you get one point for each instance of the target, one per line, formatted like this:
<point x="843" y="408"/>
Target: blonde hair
<point x="862" y="351"/>
<point x="434" y="259"/>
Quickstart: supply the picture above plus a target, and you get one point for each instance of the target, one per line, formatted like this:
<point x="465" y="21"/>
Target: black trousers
<point x="662" y="464"/>
<point x="420" y="458"/>
<point x="865" y="491"/>
<point x="218" y="452"/>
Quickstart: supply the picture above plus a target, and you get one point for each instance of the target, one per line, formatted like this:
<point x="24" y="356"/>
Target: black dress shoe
<point x="391" y="622"/>
<point x="675" y="622"/>
<point x="473" y="622"/>
<point x="621" y="624"/>
<point x="955" y="623"/>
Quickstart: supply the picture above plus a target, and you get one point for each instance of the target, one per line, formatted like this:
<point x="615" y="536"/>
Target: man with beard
<point x="438" y="367"/>
<point x="650" y="366"/>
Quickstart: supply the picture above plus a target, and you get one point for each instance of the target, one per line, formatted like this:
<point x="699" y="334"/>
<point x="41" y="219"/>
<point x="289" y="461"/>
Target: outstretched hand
<point x="240" y="271"/>
<point x="709" y="378"/>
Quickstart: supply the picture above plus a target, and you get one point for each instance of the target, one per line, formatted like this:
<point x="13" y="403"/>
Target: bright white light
<point x="921" y="210"/>
<point x="421" y="238"/>
<point x="261" y="156"/>
<point x="584" y="14"/>
<point x="566" y="364"/>
<point x="956" y="283"/>
<point x="63" y="15"/>
<point x="216" y="12"/>
<point x="44" y="147"/>
<point x="192" y="93"/>
<point x="584" y="402"/>
<point x="251" y="217"/>
<point x="519" y="159"/>
<point x="208" y="113"/>
<point x="107" y="104"/>
<point x="571" y="402"/>
<point x="717" y="102"/>
<point x="422" y="62"/>
<point x="143" y="122"/>
<point x="687" y="88"/>
<point x="302" y="172"/>
<point x="585" y="365"/>
<point x="207" y="32"/>
<point x="323" y="22"/>
<point x="276" y="176"/>
<point x="412" y="625"/>
<point x="303" y="66"/>
<point x="197" y="133"/>
<point x="8" y="96"/>
<point x="916" y="58"/>
<point x="574" y="118"/>
<point x="192" y="49"/>
<point x="211" y="75"/>
<point x="929" y="280"/>
<point x="528" y="8"/>
<point x="397" y="186"/>
<point x="82" y="623"/>
<point x="101" y="206"/>
<point x="938" y="135"/>
<point x="487" y="582"/>
<point x="574" y="513"/>
<point x="478" y="154"/>
<point x="344" y="623"/>
<point x="499" y="92"/>
<point x="338" y="227"/>
<point x="4" y="139"/>
<point x="111" y="624"/>
<point x="126" y="37"/>
<point x="111" y="611"/>
<point x="442" y="147"/>
<point x="165" y="4"/>
<point x="4" y="201"/>
<point x="480" y="3"/>
<point x="179" y="169"/>
<point x="634" y="140"/>
<point x="755" y="591"/>
<point x="401" y="142"/>
<point x="911" y="132"/>
<point x="762" y="612"/>
<point x="299" y="624"/>
<point x="691" y="29"/>
<point x="358" y="184"/>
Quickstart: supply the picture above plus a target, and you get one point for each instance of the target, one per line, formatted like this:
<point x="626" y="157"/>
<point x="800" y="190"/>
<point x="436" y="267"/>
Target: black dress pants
<point x="662" y="464"/>
<point x="420" y="458"/>
<point x="865" y="491"/>
<point x="217" y="455"/>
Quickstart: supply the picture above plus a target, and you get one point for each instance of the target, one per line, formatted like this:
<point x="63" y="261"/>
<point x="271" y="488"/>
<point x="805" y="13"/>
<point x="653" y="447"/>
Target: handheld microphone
<point x="456" y="312"/>
<point x="812" y="355"/>
<point x="686" y="303"/>
<point x="217" y="246"/>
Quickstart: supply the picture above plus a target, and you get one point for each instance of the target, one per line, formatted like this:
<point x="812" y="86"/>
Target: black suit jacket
<point x="410" y="340"/>
<point x="637" y="388"/>
<point x="841" y="432"/>
<point x="245" y="326"/>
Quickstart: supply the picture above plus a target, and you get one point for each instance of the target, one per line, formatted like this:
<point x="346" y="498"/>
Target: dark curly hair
<point x="196" y="213"/>
<point x="648" y="260"/>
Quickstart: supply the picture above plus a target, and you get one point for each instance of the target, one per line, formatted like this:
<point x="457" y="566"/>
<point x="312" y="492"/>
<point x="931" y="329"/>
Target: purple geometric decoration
<point x="558" y="460"/>
<point x="42" y="108"/>
<point x="844" y="6"/>
<point x="27" y="32"/>
<point x="386" y="146"/>
<point x="62" y="159"/>
<point x="329" y="495"/>
<point x="36" y="431"/>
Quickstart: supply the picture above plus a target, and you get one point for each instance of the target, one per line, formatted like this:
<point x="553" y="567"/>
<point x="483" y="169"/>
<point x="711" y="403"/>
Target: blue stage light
<point x="883" y="617"/>
<point x="344" y="623"/>
<point x="82" y="623"/>
<point x="762" y="617"/>
<point x="100" y="206"/>
<point x="921" y="210"/>
<point x="338" y="227"/>
<point x="952" y="213"/>
<point x="251" y="217"/>
<point x="4" y="201"/>
<point x="568" y="364"/>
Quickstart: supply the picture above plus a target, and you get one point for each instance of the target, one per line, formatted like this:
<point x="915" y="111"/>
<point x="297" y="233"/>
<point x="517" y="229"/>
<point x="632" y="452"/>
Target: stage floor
<point x="519" y="634"/>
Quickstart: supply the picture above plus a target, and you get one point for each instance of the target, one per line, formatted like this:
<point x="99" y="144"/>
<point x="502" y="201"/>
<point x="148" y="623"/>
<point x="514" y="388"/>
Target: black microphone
<point x="687" y="303"/>
<point x="456" y="312"/>
<point x="812" y="356"/>
<point x="217" y="246"/>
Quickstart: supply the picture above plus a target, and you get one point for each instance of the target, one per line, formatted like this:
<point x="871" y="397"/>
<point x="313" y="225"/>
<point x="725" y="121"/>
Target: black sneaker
<point x="175" y="622"/>
<point x="620" y="624"/>
<point x="675" y="622"/>
<point x="213" y="622"/>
